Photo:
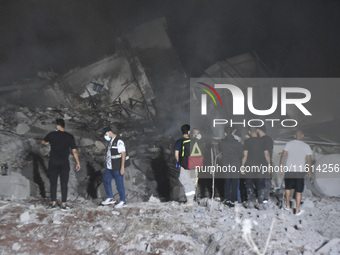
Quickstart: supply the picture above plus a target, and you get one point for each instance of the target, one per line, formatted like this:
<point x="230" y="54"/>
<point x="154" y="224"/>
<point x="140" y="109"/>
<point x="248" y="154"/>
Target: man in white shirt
<point x="115" y="166"/>
<point x="296" y="160"/>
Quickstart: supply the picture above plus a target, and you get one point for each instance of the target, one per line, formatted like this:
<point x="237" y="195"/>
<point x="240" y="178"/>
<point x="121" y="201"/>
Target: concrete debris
<point x="167" y="228"/>
<point x="118" y="90"/>
<point x="16" y="247"/>
<point x="25" y="217"/>
<point x="16" y="186"/>
<point x="331" y="247"/>
<point x="326" y="175"/>
<point x="150" y="153"/>
<point x="22" y="128"/>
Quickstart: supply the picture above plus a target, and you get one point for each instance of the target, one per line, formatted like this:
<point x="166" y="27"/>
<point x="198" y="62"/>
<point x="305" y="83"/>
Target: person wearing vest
<point x="186" y="177"/>
<point x="115" y="166"/>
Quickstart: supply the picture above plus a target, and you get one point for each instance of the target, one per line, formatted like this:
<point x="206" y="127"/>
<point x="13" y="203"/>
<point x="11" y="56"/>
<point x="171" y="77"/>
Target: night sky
<point x="293" y="38"/>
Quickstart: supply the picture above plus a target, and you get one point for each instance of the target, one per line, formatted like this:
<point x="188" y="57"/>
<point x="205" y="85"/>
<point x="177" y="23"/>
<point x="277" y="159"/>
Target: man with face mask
<point x="61" y="142"/>
<point x="115" y="166"/>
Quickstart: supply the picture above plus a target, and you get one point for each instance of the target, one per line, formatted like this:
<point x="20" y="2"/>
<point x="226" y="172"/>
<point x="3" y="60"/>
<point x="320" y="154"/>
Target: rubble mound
<point x="167" y="228"/>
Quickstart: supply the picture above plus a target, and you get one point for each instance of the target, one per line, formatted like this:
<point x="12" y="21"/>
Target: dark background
<point x="293" y="38"/>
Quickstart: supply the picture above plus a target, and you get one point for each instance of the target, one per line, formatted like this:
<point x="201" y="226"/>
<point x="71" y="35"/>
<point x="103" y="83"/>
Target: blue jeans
<point x="109" y="175"/>
<point x="230" y="189"/>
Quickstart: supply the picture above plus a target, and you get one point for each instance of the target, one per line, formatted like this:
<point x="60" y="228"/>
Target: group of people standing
<point x="62" y="143"/>
<point x="250" y="184"/>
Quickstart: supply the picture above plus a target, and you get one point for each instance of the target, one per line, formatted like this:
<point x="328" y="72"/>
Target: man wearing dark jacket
<point x="231" y="159"/>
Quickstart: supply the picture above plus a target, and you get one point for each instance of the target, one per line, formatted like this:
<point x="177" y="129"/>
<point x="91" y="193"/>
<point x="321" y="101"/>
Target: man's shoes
<point x="285" y="207"/>
<point x="66" y="208"/>
<point x="261" y="207"/>
<point x="249" y="205"/>
<point x="109" y="201"/>
<point x="51" y="207"/>
<point x="265" y="201"/>
<point x="300" y="213"/>
<point x="121" y="204"/>
<point x="229" y="204"/>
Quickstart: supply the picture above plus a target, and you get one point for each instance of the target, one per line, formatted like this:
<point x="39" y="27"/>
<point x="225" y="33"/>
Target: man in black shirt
<point x="268" y="145"/>
<point x="231" y="159"/>
<point x="255" y="157"/>
<point x="61" y="142"/>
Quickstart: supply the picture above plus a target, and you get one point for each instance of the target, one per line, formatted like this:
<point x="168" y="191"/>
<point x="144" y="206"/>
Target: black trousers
<point x="259" y="183"/>
<point x="56" y="170"/>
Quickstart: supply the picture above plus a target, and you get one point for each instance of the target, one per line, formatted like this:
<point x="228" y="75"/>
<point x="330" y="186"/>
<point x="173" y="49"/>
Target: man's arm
<point x="76" y="156"/>
<point x="177" y="155"/>
<point x="43" y="142"/>
<point x="283" y="160"/>
<point x="122" y="166"/>
<point x="267" y="156"/>
<point x="244" y="160"/>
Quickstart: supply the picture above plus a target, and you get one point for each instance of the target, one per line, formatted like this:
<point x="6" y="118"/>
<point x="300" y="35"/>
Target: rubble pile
<point x="168" y="228"/>
<point x="23" y="129"/>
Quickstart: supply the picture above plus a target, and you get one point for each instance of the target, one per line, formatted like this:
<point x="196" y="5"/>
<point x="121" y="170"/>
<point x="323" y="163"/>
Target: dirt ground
<point x="168" y="228"/>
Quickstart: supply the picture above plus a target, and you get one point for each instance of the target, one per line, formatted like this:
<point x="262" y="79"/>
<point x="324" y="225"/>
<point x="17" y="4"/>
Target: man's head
<point x="185" y="129"/>
<point x="60" y="124"/>
<point x="252" y="131"/>
<point x="261" y="130"/>
<point x="229" y="130"/>
<point x="196" y="133"/>
<point x="298" y="135"/>
<point x="110" y="131"/>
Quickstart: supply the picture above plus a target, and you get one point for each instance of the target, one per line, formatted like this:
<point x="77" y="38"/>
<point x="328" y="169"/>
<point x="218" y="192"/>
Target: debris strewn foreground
<point x="167" y="228"/>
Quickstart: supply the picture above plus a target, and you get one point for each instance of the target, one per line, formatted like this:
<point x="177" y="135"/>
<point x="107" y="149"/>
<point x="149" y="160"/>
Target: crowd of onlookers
<point x="246" y="175"/>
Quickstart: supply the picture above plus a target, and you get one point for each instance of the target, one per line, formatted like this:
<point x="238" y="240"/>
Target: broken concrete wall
<point x="15" y="186"/>
<point x="114" y="81"/>
<point x="151" y="43"/>
<point x="21" y="151"/>
<point x="120" y="90"/>
<point x="43" y="92"/>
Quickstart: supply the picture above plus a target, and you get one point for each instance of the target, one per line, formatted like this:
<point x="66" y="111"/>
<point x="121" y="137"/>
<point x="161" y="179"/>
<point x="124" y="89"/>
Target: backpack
<point x="191" y="158"/>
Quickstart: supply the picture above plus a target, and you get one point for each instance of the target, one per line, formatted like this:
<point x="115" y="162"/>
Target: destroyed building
<point x="124" y="90"/>
<point x="143" y="89"/>
<point x="128" y="90"/>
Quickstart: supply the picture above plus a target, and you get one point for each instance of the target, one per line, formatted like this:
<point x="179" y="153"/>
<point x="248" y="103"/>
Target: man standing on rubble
<point x="232" y="154"/>
<point x="296" y="160"/>
<point x="115" y="166"/>
<point x="255" y="160"/>
<point x="61" y="142"/>
<point x="187" y="177"/>
<point x="268" y="145"/>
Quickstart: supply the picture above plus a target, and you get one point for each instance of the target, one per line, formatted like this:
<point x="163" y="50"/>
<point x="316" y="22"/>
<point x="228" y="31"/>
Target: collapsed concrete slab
<point x="44" y="92"/>
<point x="15" y="186"/>
<point x="113" y="79"/>
<point x="327" y="175"/>
<point x="118" y="89"/>
<point x="151" y="43"/>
